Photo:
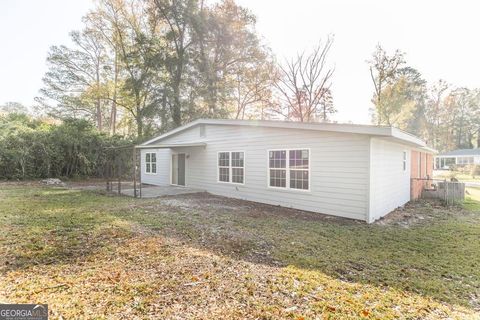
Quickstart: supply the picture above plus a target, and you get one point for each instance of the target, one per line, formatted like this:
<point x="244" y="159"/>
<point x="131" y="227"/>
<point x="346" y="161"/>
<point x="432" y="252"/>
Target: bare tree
<point x="253" y="87"/>
<point x="303" y="82"/>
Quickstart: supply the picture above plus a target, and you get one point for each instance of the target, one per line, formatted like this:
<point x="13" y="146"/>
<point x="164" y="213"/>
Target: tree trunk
<point x="113" y="115"/>
<point x="177" y="112"/>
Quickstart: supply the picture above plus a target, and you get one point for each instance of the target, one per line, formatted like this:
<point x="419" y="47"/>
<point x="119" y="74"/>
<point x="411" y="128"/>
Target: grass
<point x="94" y="256"/>
<point x="472" y="199"/>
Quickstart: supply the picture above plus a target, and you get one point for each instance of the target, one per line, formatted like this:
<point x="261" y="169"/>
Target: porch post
<point x="134" y="167"/>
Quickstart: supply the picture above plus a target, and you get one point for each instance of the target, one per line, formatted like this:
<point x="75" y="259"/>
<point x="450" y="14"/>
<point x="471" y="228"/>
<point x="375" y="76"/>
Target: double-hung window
<point x="289" y="169"/>
<point x="231" y="166"/>
<point x="150" y="162"/>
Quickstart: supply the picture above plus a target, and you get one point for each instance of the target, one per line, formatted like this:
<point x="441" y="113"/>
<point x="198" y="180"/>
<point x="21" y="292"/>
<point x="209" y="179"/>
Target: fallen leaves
<point x="103" y="260"/>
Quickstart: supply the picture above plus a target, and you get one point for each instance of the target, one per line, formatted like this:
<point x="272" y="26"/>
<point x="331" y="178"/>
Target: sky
<point x="440" y="39"/>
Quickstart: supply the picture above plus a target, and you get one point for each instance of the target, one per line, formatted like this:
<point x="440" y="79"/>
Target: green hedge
<point x="32" y="149"/>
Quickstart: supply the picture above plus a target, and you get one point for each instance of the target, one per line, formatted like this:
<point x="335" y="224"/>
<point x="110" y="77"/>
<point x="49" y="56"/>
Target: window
<point x="289" y="169"/>
<point x="464" y="160"/>
<point x="231" y="167"/>
<point x="404" y="160"/>
<point x="224" y="166"/>
<point x="203" y="132"/>
<point x="278" y="168"/>
<point x="237" y="167"/>
<point x="150" y="162"/>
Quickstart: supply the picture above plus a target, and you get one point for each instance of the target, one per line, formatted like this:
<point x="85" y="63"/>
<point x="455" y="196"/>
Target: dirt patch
<point x="419" y="212"/>
<point x="208" y="202"/>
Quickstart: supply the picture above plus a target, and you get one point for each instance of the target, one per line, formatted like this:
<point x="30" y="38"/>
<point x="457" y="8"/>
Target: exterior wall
<point x="420" y="173"/>
<point x="389" y="182"/>
<point x="162" y="177"/>
<point x="339" y="164"/>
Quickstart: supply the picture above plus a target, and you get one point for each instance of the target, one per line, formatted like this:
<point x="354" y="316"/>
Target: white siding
<point x="162" y="177"/>
<point x="389" y="183"/>
<point x="339" y="166"/>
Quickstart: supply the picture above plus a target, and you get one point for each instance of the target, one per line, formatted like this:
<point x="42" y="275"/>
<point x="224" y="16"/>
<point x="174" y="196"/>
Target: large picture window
<point x="150" y="162"/>
<point x="231" y="167"/>
<point x="289" y="169"/>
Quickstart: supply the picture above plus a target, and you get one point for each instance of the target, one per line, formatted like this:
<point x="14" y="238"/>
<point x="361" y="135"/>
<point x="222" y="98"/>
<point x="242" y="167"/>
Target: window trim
<point x="404" y="161"/>
<point x="287" y="168"/>
<point x="150" y="162"/>
<point x="230" y="167"/>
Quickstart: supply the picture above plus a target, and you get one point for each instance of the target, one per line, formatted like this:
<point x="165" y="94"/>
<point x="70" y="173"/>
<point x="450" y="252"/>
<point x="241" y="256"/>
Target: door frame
<point x="171" y="168"/>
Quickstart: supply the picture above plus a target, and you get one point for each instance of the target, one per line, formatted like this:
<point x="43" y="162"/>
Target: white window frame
<point x="287" y="168"/>
<point x="230" y="167"/>
<point x="150" y="162"/>
<point x="404" y="160"/>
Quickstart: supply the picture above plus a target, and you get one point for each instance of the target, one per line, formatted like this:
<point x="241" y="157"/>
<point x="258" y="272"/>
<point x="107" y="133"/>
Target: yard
<point x="90" y="255"/>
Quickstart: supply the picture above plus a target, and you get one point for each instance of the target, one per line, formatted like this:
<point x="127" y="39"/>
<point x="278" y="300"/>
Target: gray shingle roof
<point x="462" y="152"/>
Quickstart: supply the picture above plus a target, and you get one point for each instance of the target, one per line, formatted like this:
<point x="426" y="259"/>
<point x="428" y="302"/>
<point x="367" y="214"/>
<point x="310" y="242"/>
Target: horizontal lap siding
<point x="390" y="185"/>
<point x="162" y="177"/>
<point x="339" y="167"/>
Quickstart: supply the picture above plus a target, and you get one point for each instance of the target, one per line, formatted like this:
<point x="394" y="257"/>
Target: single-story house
<point x="356" y="171"/>
<point x="459" y="157"/>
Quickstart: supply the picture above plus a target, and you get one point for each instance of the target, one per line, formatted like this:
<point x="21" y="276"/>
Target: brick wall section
<point x="420" y="169"/>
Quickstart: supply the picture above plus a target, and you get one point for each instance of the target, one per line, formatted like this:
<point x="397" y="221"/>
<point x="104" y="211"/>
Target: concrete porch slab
<point x="160" y="191"/>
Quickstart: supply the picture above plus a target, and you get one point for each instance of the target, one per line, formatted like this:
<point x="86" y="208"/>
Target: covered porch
<point x="164" y="168"/>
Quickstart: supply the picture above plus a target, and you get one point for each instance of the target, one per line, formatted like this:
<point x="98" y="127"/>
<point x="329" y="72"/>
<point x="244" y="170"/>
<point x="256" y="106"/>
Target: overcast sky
<point x="440" y="38"/>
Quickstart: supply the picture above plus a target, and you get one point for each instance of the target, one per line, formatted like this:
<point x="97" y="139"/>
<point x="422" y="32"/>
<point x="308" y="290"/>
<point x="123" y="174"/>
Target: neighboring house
<point x="355" y="171"/>
<point x="460" y="157"/>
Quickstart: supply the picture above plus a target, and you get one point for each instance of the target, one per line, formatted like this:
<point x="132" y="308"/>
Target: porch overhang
<point x="171" y="145"/>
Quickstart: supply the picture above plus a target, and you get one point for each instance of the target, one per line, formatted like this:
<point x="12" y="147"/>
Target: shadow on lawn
<point x="439" y="258"/>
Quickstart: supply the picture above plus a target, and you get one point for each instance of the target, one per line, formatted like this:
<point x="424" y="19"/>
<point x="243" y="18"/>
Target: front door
<point x="178" y="169"/>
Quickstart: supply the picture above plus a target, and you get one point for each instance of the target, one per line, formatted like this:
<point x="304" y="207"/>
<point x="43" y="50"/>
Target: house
<point x="356" y="171"/>
<point x="460" y="157"/>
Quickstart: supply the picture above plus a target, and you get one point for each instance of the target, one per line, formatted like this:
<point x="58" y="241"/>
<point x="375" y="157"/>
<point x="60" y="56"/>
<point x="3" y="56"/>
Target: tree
<point x="13" y="107"/>
<point x="326" y="107"/>
<point x="434" y="110"/>
<point x="132" y="32"/>
<point x="383" y="71"/>
<point x="159" y="64"/>
<point x="234" y="70"/>
<point x="75" y="79"/>
<point x="178" y="15"/>
<point x="304" y="82"/>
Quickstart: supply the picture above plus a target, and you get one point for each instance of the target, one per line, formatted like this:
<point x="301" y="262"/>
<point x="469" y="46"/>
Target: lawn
<point x="461" y="176"/>
<point x="90" y="255"/>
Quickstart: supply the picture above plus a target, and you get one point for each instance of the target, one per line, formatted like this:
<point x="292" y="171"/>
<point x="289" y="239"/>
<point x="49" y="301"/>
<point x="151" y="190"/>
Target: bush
<point x="31" y="149"/>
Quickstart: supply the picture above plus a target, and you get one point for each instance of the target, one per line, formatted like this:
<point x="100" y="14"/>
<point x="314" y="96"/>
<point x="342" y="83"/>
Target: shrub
<point x="32" y="149"/>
